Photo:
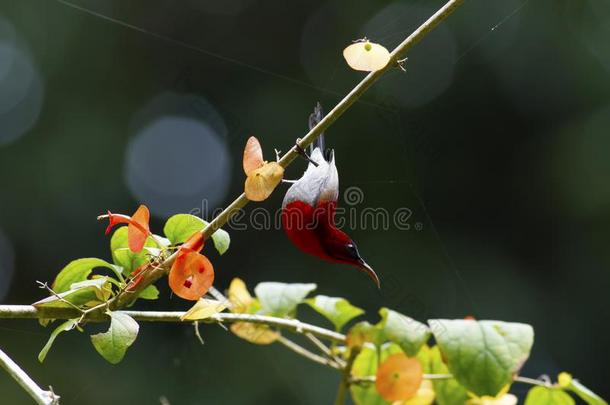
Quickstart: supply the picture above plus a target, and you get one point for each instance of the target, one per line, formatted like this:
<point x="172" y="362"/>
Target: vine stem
<point x="25" y="381"/>
<point x="346" y="377"/>
<point x="294" y="325"/>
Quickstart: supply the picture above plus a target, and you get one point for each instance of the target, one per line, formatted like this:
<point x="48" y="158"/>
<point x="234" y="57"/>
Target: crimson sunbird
<point x="308" y="209"/>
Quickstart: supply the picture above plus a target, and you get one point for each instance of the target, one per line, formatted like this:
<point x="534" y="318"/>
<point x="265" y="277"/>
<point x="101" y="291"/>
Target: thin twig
<point x="306" y="353"/>
<point x="45" y="286"/>
<point x="372" y="378"/>
<point x="318" y="343"/>
<point x="325" y="349"/>
<point x="38" y="394"/>
<point x="525" y="380"/>
<point x="197" y="334"/>
<point x="532" y="381"/>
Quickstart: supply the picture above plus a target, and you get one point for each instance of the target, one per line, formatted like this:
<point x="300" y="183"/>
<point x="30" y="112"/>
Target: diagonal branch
<point x="240" y="202"/>
<point x="39" y="395"/>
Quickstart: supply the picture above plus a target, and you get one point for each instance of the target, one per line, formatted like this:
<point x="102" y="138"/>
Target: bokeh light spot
<point x="21" y="87"/>
<point x="178" y="164"/>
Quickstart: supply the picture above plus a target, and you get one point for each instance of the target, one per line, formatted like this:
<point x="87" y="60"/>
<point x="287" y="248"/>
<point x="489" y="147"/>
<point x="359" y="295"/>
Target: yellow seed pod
<point x="366" y="56"/>
<point x="253" y="155"/>
<point x="239" y="296"/>
<point x="253" y="333"/>
<point x="262" y="181"/>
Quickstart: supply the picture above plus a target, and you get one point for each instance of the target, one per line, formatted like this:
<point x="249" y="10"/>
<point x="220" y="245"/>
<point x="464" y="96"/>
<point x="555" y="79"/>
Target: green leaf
<point x="337" y="310"/>
<point x="280" y="299"/>
<point x="64" y="327"/>
<point x="221" y="240"/>
<point x="365" y="365"/>
<point x="448" y="392"/>
<point x="363" y="332"/>
<point x="180" y="227"/>
<point x="483" y="355"/>
<point x="566" y="382"/>
<point x="149" y="293"/>
<point x="123" y="256"/>
<point x="84" y="293"/>
<point x="406" y="332"/>
<point x="78" y="270"/>
<point x="548" y="396"/>
<point x="113" y="344"/>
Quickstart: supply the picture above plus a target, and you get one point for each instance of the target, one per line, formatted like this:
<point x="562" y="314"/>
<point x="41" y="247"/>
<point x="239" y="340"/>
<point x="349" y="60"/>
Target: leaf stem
<point x="531" y="381"/>
<point x="306" y="353"/>
<point x="325" y="349"/>
<point x="38" y="394"/>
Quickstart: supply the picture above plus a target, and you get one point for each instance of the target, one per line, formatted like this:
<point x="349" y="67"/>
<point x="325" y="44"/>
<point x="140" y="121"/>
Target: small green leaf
<point x="448" y="392"/>
<point x="97" y="283"/>
<point x="363" y="332"/>
<point x="483" y="355"/>
<point x="100" y="284"/>
<point x="84" y="293"/>
<point x="365" y="365"/>
<point x="566" y="382"/>
<point x="78" y="270"/>
<point x="149" y="293"/>
<point x="221" y="240"/>
<point x="548" y="396"/>
<point x="280" y="299"/>
<point x="406" y="332"/>
<point x="121" y="334"/>
<point x="123" y="256"/>
<point x="180" y="227"/>
<point x="66" y="326"/>
<point x="337" y="310"/>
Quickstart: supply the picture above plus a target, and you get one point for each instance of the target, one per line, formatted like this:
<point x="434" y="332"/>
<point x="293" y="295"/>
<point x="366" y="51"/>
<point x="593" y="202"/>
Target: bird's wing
<point x="316" y="181"/>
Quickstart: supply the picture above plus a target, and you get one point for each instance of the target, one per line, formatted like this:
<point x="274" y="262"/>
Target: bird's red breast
<point x="313" y="230"/>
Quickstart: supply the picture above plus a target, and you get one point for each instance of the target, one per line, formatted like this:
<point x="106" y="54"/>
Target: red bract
<point x="137" y="226"/>
<point x="138" y="230"/>
<point x="136" y="276"/>
<point x="192" y="274"/>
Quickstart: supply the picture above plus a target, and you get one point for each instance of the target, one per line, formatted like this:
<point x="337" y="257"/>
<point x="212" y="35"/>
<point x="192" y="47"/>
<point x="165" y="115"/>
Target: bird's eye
<point x="352" y="250"/>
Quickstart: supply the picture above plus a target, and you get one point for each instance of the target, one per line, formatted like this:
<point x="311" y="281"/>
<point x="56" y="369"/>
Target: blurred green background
<point x="496" y="140"/>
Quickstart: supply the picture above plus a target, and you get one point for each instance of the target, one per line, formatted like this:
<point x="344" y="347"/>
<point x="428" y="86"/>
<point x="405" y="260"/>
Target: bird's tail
<point x="314" y="119"/>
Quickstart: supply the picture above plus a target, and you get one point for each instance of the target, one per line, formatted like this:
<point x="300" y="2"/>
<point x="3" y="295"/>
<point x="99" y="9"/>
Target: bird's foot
<point x="304" y="154"/>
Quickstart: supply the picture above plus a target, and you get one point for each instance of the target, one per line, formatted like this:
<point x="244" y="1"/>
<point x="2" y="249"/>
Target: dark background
<point x="496" y="138"/>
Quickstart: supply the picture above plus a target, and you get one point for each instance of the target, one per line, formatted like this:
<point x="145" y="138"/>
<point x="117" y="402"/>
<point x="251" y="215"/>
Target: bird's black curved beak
<point x="368" y="270"/>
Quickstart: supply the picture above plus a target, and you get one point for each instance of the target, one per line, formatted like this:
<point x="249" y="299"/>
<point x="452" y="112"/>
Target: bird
<point x="309" y="206"/>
